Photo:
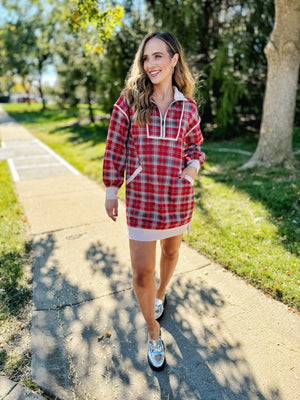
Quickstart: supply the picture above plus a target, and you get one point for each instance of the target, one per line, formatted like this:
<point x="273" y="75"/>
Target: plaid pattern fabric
<point x="153" y="157"/>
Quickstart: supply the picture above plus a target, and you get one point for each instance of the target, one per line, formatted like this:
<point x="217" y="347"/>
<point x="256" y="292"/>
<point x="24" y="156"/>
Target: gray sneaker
<point x="156" y="354"/>
<point x="160" y="308"/>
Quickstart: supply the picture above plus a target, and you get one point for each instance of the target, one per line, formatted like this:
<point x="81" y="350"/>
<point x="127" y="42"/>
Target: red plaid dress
<point x="153" y="156"/>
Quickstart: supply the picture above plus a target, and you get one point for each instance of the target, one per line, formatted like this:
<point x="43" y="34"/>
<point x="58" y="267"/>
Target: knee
<point x="141" y="277"/>
<point x="170" y="253"/>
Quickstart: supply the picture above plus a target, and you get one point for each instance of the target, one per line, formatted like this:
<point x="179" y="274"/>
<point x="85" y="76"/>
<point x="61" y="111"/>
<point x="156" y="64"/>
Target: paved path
<point x="12" y="391"/>
<point x="28" y="158"/>
<point x="225" y="340"/>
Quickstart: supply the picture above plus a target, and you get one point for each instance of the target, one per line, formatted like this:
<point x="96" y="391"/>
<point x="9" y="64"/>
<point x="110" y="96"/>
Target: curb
<point x="10" y="390"/>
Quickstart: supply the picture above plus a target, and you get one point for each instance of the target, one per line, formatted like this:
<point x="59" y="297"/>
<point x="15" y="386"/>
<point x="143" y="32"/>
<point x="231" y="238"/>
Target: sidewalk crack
<point x="192" y="270"/>
<point x="9" y="392"/>
<point x="65" y="228"/>
<point x="61" y="307"/>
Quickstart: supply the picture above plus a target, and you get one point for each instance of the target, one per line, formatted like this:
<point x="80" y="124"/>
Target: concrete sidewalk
<point x="12" y="391"/>
<point x="224" y="339"/>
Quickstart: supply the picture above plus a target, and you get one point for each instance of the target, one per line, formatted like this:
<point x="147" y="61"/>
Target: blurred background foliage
<point x="223" y="42"/>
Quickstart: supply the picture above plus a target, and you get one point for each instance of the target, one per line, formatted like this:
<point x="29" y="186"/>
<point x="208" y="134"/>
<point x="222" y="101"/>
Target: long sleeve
<point x="193" y="139"/>
<point x="115" y="151"/>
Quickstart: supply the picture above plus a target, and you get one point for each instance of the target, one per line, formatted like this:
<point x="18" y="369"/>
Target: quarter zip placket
<point x="162" y="135"/>
<point x="163" y="119"/>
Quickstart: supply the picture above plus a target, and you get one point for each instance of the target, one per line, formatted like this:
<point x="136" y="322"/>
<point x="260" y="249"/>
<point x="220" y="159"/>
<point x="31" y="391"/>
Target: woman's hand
<point x="190" y="171"/>
<point x="111" y="207"/>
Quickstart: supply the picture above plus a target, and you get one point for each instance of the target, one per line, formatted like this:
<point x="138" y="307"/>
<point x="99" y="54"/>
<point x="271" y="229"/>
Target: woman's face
<point x="157" y="62"/>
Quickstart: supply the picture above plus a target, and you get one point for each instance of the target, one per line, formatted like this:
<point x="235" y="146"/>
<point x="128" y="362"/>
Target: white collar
<point x="178" y="96"/>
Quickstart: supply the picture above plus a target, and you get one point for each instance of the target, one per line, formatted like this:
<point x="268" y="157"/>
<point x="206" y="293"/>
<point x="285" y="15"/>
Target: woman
<point x="154" y="134"/>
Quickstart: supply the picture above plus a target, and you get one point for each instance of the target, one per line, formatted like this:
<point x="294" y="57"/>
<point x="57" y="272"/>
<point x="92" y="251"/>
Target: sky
<point x="49" y="76"/>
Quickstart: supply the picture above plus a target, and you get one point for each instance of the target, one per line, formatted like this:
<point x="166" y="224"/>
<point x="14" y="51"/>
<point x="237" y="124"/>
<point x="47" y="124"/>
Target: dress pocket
<point x="135" y="174"/>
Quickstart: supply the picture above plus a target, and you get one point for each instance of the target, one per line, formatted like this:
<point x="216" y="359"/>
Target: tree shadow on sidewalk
<point x="95" y="346"/>
<point x="196" y="338"/>
<point x="56" y="308"/>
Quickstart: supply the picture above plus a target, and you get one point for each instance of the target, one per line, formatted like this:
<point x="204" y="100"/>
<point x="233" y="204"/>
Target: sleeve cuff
<point x="194" y="163"/>
<point x="111" y="193"/>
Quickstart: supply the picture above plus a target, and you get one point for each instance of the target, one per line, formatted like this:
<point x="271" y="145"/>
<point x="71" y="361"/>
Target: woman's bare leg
<point x="168" y="261"/>
<point x="143" y="266"/>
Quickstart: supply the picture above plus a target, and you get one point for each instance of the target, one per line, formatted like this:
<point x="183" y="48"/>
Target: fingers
<point x="112" y="214"/>
<point x="111" y="207"/>
<point x="191" y="171"/>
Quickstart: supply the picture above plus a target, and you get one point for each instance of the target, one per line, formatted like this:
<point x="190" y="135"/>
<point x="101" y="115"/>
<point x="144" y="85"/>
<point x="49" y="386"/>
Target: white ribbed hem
<point x="111" y="193"/>
<point x="194" y="163"/>
<point x="149" y="235"/>
<point x="189" y="178"/>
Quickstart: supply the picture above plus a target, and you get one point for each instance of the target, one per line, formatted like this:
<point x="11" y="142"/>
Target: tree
<point x="118" y="55"/>
<point x="42" y="53"/>
<point x="223" y="42"/>
<point x="283" y="55"/>
<point x="78" y="71"/>
<point x="100" y="16"/>
<point x="17" y="41"/>
<point x="89" y="22"/>
<point x="26" y="40"/>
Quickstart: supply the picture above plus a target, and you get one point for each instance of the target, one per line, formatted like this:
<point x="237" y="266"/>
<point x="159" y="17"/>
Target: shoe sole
<point x="160" y="317"/>
<point x="154" y="368"/>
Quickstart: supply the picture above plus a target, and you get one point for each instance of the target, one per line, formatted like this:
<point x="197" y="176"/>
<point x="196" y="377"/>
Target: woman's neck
<point x="163" y="98"/>
<point x="163" y="93"/>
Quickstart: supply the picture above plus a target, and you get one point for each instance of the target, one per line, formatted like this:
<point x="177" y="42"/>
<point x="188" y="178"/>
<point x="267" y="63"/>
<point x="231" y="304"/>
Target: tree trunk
<point x="283" y="56"/>
<point x="42" y="93"/>
<point x="26" y="88"/>
<point x="40" y="68"/>
<point x="9" y="85"/>
<point x="89" y="100"/>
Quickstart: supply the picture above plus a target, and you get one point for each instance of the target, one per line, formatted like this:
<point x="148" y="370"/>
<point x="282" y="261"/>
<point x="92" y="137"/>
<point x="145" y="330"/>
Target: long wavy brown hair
<point x="139" y="89"/>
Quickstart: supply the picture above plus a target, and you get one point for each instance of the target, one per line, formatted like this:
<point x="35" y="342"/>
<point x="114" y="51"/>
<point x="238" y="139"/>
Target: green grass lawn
<point x="15" y="291"/>
<point x="248" y="221"/>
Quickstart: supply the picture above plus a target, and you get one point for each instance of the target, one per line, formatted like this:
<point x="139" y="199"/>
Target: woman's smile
<point x="153" y="74"/>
